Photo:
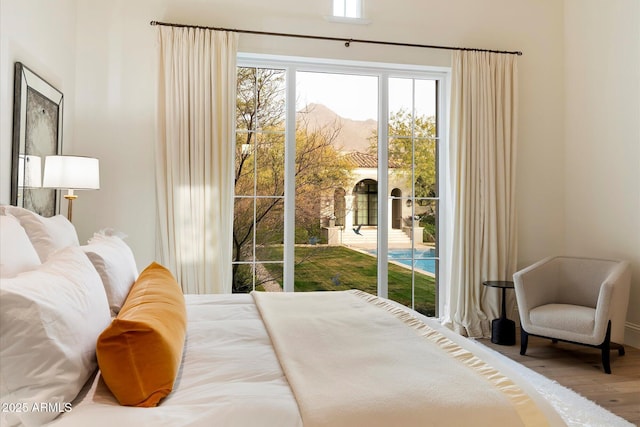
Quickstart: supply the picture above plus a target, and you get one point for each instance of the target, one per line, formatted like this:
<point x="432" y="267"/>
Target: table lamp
<point x="71" y="173"/>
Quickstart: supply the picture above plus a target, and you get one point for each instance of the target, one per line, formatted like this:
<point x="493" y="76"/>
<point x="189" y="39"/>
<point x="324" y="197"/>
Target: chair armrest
<point x="615" y="285"/>
<point x="620" y="275"/>
<point x="603" y="309"/>
<point x="535" y="285"/>
<point x="613" y="301"/>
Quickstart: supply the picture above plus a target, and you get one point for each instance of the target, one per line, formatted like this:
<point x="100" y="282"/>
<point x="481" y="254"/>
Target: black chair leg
<point x="606" y="350"/>
<point x="619" y="347"/>
<point x="606" y="364"/>
<point x="524" y="341"/>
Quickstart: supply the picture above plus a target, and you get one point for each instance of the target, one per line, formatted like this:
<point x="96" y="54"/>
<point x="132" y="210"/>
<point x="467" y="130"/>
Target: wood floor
<point x="579" y="368"/>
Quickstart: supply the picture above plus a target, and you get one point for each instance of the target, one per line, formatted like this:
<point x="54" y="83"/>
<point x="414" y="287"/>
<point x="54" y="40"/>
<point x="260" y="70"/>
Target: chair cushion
<point x="565" y="317"/>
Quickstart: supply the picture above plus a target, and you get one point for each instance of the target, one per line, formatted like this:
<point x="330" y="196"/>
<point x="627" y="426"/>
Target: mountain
<point x="353" y="135"/>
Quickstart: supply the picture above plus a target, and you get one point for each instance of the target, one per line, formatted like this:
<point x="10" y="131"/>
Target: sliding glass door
<point x="412" y="172"/>
<point x="337" y="180"/>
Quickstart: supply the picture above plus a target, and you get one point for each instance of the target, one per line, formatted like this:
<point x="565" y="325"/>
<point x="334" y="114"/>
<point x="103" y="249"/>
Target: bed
<point x="261" y="359"/>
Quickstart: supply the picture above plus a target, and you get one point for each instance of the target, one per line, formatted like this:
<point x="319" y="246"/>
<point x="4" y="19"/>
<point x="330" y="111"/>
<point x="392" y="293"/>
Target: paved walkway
<point x="266" y="280"/>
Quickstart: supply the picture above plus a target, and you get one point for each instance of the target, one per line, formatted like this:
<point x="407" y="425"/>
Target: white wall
<point x="41" y="35"/>
<point x="115" y="113"/>
<point x="602" y="133"/>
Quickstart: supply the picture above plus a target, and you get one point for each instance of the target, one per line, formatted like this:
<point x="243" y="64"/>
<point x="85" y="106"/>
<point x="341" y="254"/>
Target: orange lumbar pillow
<point x="139" y="354"/>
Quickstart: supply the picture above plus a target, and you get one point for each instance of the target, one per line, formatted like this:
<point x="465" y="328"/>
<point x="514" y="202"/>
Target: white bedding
<point x="230" y="376"/>
<point x="353" y="359"/>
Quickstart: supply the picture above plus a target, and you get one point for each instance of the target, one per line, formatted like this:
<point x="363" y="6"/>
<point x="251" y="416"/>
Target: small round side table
<point x="503" y="330"/>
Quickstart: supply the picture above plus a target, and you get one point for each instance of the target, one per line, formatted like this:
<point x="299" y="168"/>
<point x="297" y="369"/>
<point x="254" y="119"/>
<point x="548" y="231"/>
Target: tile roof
<point x="364" y="160"/>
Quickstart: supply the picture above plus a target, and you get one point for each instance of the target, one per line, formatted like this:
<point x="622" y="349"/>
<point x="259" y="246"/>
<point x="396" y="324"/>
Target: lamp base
<point x="70" y="198"/>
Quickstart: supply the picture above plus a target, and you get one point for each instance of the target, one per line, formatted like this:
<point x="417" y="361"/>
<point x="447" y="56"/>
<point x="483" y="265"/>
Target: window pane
<point x="413" y="287"/>
<point x="270" y="164"/>
<point x="412" y="248"/>
<point x="425" y="98"/>
<point x="426" y="283"/>
<point x="426" y="215"/>
<point x="245" y="98"/>
<point x="269" y="276"/>
<point x="400" y="95"/>
<point x="269" y="228"/>
<point x="270" y="94"/>
<point x="243" y="278"/>
<point x="244" y="164"/>
<point x="338" y="7"/>
<point x="425" y="168"/>
<point x="336" y="190"/>
<point x="243" y="229"/>
<point x="352" y="9"/>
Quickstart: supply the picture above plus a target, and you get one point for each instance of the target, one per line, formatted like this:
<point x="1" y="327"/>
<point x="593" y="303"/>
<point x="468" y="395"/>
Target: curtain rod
<point x="347" y="42"/>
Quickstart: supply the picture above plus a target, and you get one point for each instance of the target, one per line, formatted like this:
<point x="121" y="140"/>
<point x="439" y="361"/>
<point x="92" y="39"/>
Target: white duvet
<point x="230" y="376"/>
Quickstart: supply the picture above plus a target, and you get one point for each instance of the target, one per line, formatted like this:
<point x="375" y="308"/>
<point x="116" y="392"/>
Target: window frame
<point x="384" y="71"/>
<point x="343" y="18"/>
<point x="340" y="9"/>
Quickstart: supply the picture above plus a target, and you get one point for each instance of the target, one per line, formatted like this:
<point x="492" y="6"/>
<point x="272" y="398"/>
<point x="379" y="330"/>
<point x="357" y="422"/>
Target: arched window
<point x="366" y="202"/>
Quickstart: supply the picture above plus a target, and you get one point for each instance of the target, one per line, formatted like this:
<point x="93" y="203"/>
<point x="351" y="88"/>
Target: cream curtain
<point x="483" y="136"/>
<point x="194" y="156"/>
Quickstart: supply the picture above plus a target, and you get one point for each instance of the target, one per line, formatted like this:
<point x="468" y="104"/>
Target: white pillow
<point x="115" y="263"/>
<point x="50" y="320"/>
<point x="17" y="254"/>
<point x="46" y="234"/>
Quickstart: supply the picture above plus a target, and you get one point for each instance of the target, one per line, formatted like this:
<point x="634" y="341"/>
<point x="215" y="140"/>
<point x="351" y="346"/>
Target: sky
<point x="356" y="97"/>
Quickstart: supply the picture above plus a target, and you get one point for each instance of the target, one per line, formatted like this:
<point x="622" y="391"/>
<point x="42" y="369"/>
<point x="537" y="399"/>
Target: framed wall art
<point x="37" y="133"/>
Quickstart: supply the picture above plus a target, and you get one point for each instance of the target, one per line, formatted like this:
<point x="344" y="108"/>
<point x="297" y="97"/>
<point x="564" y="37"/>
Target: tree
<point x="412" y="140"/>
<point x="259" y="170"/>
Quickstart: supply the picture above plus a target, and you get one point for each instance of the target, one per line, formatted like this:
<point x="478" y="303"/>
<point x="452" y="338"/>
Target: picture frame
<point x="37" y="133"/>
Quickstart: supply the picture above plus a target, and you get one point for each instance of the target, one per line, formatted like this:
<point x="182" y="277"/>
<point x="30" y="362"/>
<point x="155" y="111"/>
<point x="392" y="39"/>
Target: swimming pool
<point x="403" y="256"/>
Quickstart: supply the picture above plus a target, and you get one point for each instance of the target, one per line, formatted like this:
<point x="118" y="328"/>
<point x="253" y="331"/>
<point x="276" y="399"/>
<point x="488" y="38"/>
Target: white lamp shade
<point x="29" y="171"/>
<point x="71" y="172"/>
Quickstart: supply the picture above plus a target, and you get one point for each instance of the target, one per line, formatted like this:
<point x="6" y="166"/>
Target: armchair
<point x="577" y="300"/>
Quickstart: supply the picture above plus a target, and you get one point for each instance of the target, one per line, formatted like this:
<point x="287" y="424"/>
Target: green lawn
<point x="330" y="268"/>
